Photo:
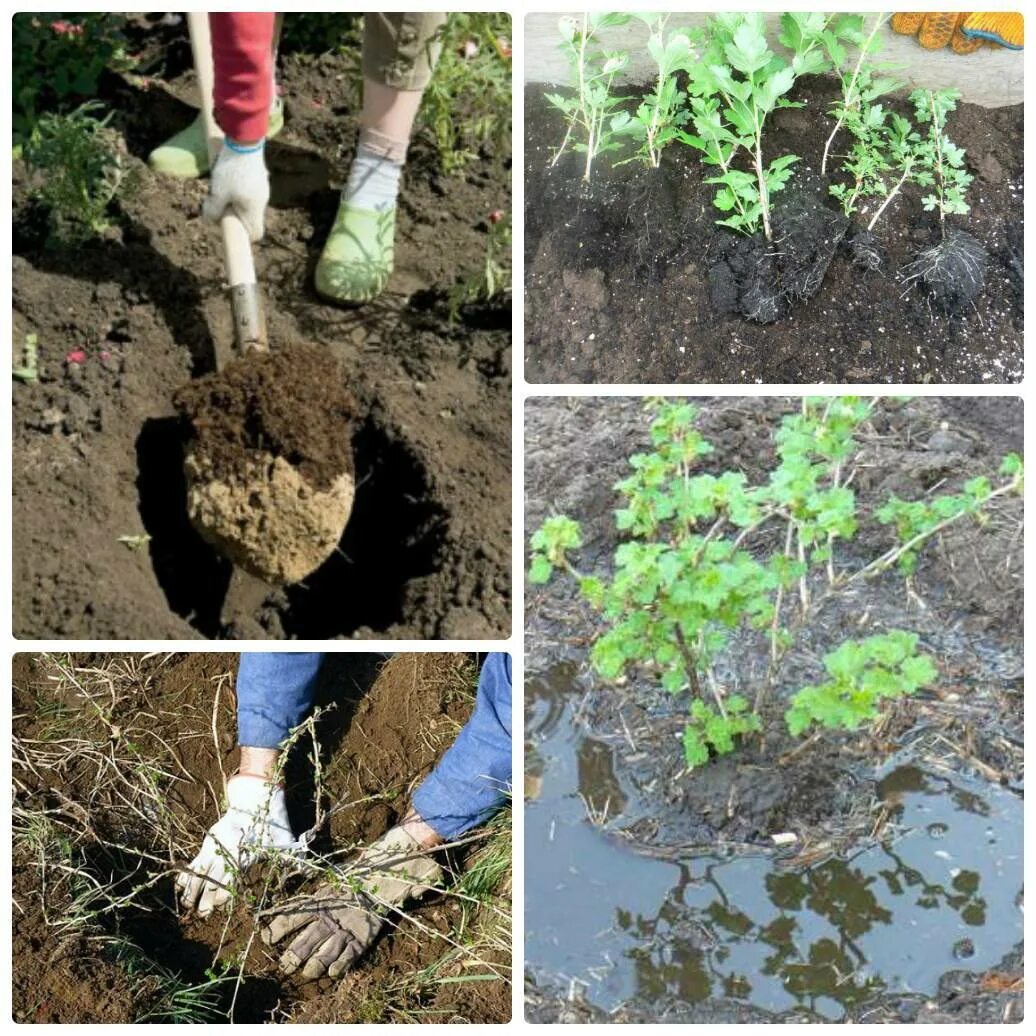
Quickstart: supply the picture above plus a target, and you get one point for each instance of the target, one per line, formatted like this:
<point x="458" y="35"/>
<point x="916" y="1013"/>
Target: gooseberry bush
<point x="707" y="555"/>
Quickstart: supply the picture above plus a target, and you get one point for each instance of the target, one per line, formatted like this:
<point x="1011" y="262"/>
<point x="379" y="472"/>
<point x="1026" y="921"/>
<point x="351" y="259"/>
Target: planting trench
<point x="654" y="894"/>
<point x="629" y="280"/>
<point x="390" y="723"/>
<point x="98" y="450"/>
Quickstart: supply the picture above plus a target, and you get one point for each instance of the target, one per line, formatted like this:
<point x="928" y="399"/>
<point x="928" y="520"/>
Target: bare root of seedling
<point x="866" y="253"/>
<point x="952" y="273"/>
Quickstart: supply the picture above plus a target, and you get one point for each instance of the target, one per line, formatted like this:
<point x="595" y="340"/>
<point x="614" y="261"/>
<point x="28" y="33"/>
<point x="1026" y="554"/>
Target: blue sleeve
<point x="474" y="776"/>
<point x="274" y="692"/>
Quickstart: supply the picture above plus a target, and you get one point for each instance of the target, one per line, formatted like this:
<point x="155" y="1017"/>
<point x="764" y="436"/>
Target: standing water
<point x="939" y="893"/>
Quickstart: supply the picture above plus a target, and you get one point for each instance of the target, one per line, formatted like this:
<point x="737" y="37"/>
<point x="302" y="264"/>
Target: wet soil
<point x="629" y="280"/>
<point x="97" y="445"/>
<point x="621" y="741"/>
<point x="387" y="723"/>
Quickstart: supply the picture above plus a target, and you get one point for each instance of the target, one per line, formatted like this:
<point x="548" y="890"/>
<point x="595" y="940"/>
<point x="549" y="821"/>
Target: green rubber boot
<point x="185" y="155"/>
<point x="357" y="259"/>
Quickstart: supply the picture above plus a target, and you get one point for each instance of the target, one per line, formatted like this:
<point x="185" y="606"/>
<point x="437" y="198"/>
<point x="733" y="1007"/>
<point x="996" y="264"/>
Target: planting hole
<point x="393" y="536"/>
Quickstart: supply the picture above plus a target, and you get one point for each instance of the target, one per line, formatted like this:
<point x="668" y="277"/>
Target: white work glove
<point x="256" y="819"/>
<point x="339" y="922"/>
<point x="241" y="183"/>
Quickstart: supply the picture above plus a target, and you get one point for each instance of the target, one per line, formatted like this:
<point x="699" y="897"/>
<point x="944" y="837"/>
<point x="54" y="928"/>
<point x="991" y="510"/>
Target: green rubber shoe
<point x="185" y="156"/>
<point x="357" y="259"/>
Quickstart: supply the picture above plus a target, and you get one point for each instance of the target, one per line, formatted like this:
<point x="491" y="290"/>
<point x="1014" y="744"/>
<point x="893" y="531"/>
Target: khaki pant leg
<point x="400" y="50"/>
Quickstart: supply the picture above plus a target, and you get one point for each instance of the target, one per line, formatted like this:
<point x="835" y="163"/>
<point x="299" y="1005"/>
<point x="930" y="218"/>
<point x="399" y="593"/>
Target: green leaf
<point x="540" y="570"/>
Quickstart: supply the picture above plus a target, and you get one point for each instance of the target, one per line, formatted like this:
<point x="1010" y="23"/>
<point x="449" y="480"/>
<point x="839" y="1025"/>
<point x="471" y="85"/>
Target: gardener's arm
<point x="274" y="692"/>
<point x="242" y="57"/>
<point x="337" y="924"/>
<point x="474" y="776"/>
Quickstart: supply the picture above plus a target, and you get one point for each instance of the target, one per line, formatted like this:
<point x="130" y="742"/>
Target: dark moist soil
<point x="390" y="722"/>
<point x="98" y="447"/>
<point x="969" y="580"/>
<point x="291" y="403"/>
<point x="629" y="280"/>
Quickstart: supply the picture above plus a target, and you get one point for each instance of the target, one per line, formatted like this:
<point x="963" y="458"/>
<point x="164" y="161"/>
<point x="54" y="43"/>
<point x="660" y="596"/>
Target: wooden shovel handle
<point x="250" y="328"/>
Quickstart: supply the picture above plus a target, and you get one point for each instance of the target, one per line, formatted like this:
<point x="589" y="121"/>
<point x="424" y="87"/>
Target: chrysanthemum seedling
<point x="707" y="554"/>
<point x="589" y="113"/>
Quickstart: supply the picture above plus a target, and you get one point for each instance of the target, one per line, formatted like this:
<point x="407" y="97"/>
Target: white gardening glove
<point x="256" y="818"/>
<point x="339" y="922"/>
<point x="241" y="183"/>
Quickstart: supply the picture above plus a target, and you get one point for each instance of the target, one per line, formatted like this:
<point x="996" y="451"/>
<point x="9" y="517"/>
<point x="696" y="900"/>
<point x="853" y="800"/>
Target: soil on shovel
<point x="679" y="904"/>
<point x="629" y="280"/>
<point x="270" y="475"/>
<point x="289" y="403"/>
<point x="387" y="723"/>
<point x="103" y="546"/>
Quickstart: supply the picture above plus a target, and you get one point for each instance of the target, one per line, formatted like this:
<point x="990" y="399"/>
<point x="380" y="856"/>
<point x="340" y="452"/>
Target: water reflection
<point x="645" y="931"/>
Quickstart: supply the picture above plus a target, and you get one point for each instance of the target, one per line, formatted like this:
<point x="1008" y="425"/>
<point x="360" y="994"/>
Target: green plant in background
<point x="589" y="114"/>
<point x="863" y="86"/>
<point x="79" y="168"/>
<point x="57" y="62"/>
<point x="940" y="163"/>
<point x="739" y="82"/>
<point x="708" y="554"/>
<point x="29" y="370"/>
<point x="883" y="159"/>
<point x="493" y="279"/>
<point x="661" y="113"/>
<point x="863" y="674"/>
<point x="467" y="105"/>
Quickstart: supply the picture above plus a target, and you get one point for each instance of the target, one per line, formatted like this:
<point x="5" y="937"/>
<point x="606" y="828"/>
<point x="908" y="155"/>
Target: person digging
<point x="336" y="924"/>
<point x="399" y="55"/>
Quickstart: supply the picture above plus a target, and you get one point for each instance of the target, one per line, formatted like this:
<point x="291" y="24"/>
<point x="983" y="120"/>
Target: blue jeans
<point x="275" y="690"/>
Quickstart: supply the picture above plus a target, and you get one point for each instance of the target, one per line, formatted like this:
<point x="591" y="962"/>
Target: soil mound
<point x="270" y="468"/>
<point x="951" y="273"/>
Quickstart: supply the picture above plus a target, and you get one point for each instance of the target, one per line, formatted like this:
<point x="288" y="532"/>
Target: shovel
<point x="311" y="520"/>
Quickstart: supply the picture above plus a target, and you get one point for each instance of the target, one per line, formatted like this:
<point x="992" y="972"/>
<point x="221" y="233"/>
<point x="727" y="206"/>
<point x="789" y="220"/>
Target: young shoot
<point x="588" y="114"/>
<point x="940" y="161"/>
<point x="738" y="83"/>
<point x="661" y="113"/>
<point x="860" y="88"/>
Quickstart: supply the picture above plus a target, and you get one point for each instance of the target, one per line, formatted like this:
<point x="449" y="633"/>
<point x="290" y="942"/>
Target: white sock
<point x="373" y="180"/>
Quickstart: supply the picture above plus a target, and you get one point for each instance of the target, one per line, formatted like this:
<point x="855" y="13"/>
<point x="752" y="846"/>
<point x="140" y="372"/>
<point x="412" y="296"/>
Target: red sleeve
<point x="243" y="63"/>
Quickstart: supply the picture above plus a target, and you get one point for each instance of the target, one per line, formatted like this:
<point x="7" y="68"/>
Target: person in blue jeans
<point x="335" y="925"/>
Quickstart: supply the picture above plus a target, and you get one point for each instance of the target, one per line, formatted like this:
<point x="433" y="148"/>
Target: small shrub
<point x="707" y="554"/>
<point x="58" y="61"/>
<point x="79" y="166"/>
<point x="467" y="105"/>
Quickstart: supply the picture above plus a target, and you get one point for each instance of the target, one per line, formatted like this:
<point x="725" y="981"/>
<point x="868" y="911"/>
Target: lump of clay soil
<point x="270" y="476"/>
<point x="952" y="272"/>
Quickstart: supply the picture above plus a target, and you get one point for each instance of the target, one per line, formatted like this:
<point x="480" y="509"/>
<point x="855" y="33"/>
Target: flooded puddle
<point x="940" y="893"/>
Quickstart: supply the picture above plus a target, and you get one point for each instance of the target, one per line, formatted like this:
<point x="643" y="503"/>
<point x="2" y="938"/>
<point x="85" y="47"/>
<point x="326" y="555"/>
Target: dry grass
<point x="99" y="818"/>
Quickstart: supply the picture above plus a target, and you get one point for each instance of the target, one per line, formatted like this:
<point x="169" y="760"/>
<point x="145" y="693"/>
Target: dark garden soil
<point x="965" y="601"/>
<point x="390" y="722"/>
<point x="629" y="280"/>
<point x="98" y="445"/>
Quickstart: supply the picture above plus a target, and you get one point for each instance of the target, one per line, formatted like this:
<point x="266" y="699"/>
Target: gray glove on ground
<point x="338" y="923"/>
